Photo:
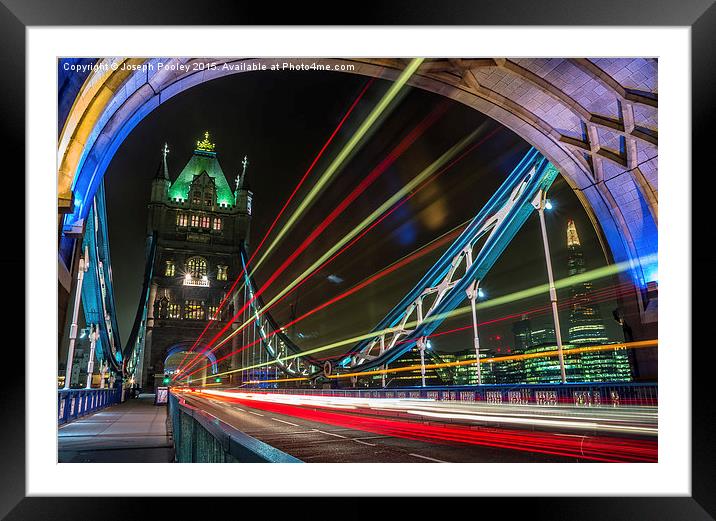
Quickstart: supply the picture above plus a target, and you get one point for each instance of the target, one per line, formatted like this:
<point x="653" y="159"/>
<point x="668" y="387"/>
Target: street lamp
<point x="93" y="335"/>
<point x="540" y="203"/>
<point x="83" y="267"/>
<point x="473" y="293"/>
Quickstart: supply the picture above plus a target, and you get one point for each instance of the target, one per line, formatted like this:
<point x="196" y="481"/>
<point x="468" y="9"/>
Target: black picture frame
<point x="699" y="15"/>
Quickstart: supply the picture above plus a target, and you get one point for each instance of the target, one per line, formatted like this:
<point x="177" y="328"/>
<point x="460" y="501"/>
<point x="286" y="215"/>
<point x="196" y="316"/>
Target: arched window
<point x="169" y="268"/>
<point x="217" y="224"/>
<point x="209" y="195"/>
<point x="194" y="310"/>
<point x="222" y="272"/>
<point x="163" y="303"/>
<point x="174" y="310"/>
<point x="196" y="267"/>
<point x="182" y="220"/>
<point x="204" y="221"/>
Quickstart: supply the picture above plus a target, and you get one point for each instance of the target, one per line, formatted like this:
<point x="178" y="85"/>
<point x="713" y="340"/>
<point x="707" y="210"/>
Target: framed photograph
<point x="421" y="253"/>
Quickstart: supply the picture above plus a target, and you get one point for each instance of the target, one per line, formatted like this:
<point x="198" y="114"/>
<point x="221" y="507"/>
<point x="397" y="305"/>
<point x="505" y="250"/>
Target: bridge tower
<point x="200" y="225"/>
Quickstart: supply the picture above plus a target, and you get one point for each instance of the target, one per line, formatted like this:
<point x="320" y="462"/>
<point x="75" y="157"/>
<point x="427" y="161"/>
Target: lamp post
<point x="540" y="203"/>
<point x="102" y="372"/>
<point x="421" y="348"/>
<point x="83" y="267"/>
<point x="472" y="293"/>
<point x="93" y="335"/>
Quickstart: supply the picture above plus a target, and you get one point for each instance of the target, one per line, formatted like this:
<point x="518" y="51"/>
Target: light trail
<point x="283" y="209"/>
<point x="367" y="221"/>
<point x="344" y="153"/>
<point x="413" y="183"/>
<point x="600" y="295"/>
<point x="587" y="276"/>
<point x="499" y="359"/>
<point x="420" y="252"/>
<point x="542" y="354"/>
<point x="379" y="170"/>
<point x="368" y="229"/>
<point x="476" y="423"/>
<point x="333" y="167"/>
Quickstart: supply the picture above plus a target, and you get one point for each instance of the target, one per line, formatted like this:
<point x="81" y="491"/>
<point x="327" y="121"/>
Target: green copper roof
<point x="202" y="160"/>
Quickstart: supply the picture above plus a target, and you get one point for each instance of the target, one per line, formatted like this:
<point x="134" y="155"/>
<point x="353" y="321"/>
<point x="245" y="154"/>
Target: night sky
<point x="280" y="120"/>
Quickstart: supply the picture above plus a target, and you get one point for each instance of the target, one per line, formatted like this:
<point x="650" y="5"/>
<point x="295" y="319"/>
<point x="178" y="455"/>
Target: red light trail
<point x="338" y="253"/>
<point x="603" y="449"/>
<point x="382" y="167"/>
<point x="283" y="209"/>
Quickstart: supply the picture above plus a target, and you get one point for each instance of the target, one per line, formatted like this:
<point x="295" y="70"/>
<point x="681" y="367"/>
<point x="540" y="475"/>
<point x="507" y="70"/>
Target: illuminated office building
<point x="585" y="320"/>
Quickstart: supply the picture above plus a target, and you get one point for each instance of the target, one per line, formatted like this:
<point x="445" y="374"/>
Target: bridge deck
<point x="135" y="431"/>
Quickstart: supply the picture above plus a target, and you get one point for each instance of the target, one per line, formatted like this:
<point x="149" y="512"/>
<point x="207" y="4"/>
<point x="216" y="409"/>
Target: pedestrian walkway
<point x="135" y="431"/>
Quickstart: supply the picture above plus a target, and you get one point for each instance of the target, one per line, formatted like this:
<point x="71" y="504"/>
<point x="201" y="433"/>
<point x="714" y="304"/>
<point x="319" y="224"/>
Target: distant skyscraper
<point x="585" y="320"/>
<point x="523" y="334"/>
<point x="543" y="335"/>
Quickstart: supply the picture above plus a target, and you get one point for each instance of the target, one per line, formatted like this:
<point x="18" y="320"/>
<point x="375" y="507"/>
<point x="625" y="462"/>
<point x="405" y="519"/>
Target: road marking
<point x="425" y="457"/>
<point x="330" y="434"/>
<point x="283" y="421"/>
<point x="252" y="412"/>
<point x="365" y="443"/>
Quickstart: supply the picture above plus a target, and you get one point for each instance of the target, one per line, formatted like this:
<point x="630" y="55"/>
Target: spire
<point x="163" y="170"/>
<point x="572" y="237"/>
<point x="241" y="179"/>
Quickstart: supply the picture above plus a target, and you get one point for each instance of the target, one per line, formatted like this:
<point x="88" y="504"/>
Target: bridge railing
<point x="575" y="394"/>
<point x="200" y="437"/>
<point x="74" y="403"/>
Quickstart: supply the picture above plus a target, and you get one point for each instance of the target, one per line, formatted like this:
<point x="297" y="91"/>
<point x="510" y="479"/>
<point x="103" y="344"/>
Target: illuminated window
<point x="195" y="221"/>
<point x="209" y="195"/>
<point x="212" y="312"/>
<point x="196" y="197"/>
<point x="193" y="310"/>
<point x="222" y="272"/>
<point x="196" y="267"/>
<point x="204" y="221"/>
<point x="181" y="219"/>
<point x="218" y="223"/>
<point x="169" y="268"/>
<point x="174" y="310"/>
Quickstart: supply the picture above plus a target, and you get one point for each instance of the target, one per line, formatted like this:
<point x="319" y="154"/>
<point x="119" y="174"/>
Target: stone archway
<point x="595" y="119"/>
<point x="172" y="356"/>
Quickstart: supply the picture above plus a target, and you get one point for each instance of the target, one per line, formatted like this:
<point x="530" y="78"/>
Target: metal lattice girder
<point x="500" y="219"/>
<point x="133" y="349"/>
<point x="272" y="337"/>
<point x="97" y="290"/>
<point x="411" y="320"/>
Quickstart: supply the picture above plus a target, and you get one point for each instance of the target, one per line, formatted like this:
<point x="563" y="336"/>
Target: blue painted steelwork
<point x="532" y="174"/>
<point x="74" y="403"/>
<point x="135" y="344"/>
<point x="256" y="310"/>
<point x="97" y="289"/>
